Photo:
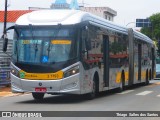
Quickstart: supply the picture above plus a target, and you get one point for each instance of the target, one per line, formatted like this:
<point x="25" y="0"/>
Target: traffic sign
<point x="143" y="23"/>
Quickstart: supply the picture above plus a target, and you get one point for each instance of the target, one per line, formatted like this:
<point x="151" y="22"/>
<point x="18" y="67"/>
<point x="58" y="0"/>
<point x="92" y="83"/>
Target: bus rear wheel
<point x="38" y="96"/>
<point x="147" y="80"/>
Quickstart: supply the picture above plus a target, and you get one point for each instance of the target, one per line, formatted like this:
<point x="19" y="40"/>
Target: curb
<point x="6" y="92"/>
<point x="12" y="95"/>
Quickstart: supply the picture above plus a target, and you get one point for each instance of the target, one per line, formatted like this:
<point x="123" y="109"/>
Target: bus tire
<point x="147" y="79"/>
<point x="92" y="94"/>
<point x="150" y="75"/>
<point x="121" y="88"/>
<point x="38" y="96"/>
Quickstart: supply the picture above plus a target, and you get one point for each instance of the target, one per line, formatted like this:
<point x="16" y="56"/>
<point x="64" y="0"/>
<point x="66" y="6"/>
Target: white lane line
<point x="158" y="95"/>
<point x="125" y="92"/>
<point x="144" y="93"/>
<point x="25" y="94"/>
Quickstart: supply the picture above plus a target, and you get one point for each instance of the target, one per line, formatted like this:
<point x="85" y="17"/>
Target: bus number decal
<point x="54" y="76"/>
<point x="61" y="42"/>
<point x="26" y="42"/>
<point x="38" y="76"/>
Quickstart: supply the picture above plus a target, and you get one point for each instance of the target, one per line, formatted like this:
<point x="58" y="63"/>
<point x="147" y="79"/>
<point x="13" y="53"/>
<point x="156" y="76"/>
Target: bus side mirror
<point x="88" y="45"/>
<point x="5" y="44"/>
<point x="85" y="35"/>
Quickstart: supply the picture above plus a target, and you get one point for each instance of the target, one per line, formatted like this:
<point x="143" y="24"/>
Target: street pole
<point x="4" y="36"/>
<point x="130" y="23"/>
<point x="5" y="18"/>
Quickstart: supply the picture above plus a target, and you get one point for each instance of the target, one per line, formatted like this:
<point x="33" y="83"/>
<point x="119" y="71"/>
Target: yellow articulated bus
<point x="75" y="52"/>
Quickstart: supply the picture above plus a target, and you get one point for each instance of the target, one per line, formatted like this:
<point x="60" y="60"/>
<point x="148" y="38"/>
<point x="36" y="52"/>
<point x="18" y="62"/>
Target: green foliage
<point x="154" y="31"/>
<point x="155" y="20"/>
<point x="116" y="47"/>
<point x="158" y="50"/>
<point x="147" y="31"/>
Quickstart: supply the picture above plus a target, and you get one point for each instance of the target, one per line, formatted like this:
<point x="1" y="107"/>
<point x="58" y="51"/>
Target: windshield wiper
<point x="49" y="48"/>
<point x="36" y="48"/>
<point x="55" y="35"/>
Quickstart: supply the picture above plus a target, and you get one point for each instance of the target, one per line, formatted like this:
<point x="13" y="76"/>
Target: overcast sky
<point x="127" y="10"/>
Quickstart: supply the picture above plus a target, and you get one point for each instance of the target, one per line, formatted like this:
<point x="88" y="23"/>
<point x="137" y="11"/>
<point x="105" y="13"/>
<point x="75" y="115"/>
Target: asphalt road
<point x="139" y="98"/>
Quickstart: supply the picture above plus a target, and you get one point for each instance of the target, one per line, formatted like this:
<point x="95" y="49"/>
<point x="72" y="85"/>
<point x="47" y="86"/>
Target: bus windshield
<point x="38" y="45"/>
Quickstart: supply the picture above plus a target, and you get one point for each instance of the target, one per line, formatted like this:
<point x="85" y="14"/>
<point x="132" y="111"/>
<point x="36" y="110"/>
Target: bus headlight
<point x="71" y="71"/>
<point x="14" y="71"/>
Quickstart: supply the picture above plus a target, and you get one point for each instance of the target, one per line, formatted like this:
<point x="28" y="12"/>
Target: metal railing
<point x="5" y="63"/>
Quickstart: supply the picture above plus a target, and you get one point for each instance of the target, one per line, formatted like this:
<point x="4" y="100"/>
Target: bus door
<point x="106" y="60"/>
<point x="139" y="61"/>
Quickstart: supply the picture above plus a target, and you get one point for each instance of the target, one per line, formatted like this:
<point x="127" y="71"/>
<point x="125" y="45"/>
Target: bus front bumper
<point x="69" y="85"/>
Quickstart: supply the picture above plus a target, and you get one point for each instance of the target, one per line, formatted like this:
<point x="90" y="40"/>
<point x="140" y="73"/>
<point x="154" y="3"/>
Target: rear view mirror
<point x="5" y="44"/>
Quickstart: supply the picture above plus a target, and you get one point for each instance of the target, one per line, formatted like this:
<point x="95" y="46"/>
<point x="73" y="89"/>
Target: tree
<point x="154" y="31"/>
<point x="155" y="20"/>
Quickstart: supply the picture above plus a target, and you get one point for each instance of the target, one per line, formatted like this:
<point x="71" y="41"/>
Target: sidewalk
<point x="6" y="91"/>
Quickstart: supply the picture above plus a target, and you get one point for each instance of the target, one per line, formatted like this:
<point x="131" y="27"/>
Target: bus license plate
<point x="41" y="89"/>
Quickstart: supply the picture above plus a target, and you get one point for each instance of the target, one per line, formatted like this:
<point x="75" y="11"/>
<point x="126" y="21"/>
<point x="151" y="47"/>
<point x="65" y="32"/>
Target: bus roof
<point x="69" y="17"/>
<point x="64" y="17"/>
<point x="142" y="37"/>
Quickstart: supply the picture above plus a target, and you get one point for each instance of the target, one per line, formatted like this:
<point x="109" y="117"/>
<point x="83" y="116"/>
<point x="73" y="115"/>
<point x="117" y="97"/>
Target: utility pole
<point x="5" y="19"/>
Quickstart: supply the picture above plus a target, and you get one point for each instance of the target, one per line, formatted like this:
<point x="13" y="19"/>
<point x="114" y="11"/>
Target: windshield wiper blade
<point x="49" y="48"/>
<point x="36" y="48"/>
<point x="55" y="35"/>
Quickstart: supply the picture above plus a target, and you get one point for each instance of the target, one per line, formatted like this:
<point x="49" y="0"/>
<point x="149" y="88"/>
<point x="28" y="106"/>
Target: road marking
<point x="125" y="92"/>
<point x="26" y="94"/>
<point x="144" y="93"/>
<point x="158" y="95"/>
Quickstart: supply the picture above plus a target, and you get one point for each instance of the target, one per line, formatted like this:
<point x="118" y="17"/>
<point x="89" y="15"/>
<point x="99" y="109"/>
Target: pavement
<point x="5" y="91"/>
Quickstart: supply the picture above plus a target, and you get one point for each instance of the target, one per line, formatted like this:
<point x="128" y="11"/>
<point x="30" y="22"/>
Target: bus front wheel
<point x="92" y="94"/>
<point x="38" y="96"/>
<point x="147" y="80"/>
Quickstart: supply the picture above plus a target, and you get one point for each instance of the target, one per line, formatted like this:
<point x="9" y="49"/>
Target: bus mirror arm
<point x="85" y="53"/>
<point x="88" y="44"/>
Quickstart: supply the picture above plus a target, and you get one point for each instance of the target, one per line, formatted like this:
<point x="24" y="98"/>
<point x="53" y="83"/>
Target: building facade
<point x="12" y="16"/>
<point x="59" y="4"/>
<point x="104" y="12"/>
